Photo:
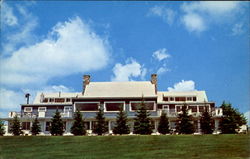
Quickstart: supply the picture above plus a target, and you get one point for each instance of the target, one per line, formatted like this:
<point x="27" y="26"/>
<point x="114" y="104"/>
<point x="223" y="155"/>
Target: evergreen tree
<point x="78" y="128"/>
<point x="2" y="131"/>
<point x="185" y="126"/>
<point x="142" y="124"/>
<point x="121" y="123"/>
<point x="232" y="119"/>
<point x="163" y="127"/>
<point x="36" y="128"/>
<point x="15" y="128"/>
<point x="101" y="126"/>
<point x="56" y="124"/>
<point x="206" y="122"/>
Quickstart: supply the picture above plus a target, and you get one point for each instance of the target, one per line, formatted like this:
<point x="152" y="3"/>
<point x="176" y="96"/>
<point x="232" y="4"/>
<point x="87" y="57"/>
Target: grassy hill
<point x="127" y="147"/>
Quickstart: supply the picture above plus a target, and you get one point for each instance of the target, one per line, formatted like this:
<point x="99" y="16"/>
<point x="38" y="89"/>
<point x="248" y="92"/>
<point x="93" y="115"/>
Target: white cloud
<point x="161" y="54"/>
<point x="70" y="47"/>
<point x="10" y="99"/>
<point x="200" y="15"/>
<point x="7" y="15"/>
<point x="237" y="29"/>
<point x="162" y="70"/>
<point x="247" y="115"/>
<point x="166" y="14"/>
<point x="56" y="88"/>
<point x="183" y="86"/>
<point x="127" y="72"/>
<point x="193" y="22"/>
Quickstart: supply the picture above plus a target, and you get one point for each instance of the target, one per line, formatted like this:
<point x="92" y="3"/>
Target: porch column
<point x="199" y="126"/>
<point x="90" y="125"/>
<point x="109" y="124"/>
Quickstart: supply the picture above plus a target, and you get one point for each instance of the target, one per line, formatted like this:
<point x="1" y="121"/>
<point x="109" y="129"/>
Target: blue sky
<point x="48" y="46"/>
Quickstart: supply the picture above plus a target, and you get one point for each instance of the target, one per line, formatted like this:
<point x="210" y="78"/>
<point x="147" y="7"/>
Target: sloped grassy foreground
<point x="129" y="147"/>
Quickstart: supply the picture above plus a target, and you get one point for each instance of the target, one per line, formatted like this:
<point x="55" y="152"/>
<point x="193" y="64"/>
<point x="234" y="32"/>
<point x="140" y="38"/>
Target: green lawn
<point x="129" y="147"/>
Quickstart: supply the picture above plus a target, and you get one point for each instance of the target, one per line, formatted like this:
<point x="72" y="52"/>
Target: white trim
<point x="42" y="110"/>
<point x="130" y="108"/>
<point x="24" y="109"/>
<point x="86" y="103"/>
<point x="105" y="110"/>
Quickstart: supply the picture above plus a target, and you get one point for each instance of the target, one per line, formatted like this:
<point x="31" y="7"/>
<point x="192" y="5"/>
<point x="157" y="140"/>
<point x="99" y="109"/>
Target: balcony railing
<point x="39" y="115"/>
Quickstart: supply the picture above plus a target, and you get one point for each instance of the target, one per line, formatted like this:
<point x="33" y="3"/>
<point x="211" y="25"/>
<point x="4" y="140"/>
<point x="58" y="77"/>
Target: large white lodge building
<point x="110" y="96"/>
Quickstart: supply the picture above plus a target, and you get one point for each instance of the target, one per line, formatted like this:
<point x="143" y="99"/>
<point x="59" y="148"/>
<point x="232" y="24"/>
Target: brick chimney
<point x="154" y="81"/>
<point x="86" y="81"/>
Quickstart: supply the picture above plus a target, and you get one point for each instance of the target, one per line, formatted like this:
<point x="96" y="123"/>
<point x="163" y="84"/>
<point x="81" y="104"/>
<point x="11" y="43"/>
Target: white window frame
<point x="69" y="108"/>
<point x="130" y="107"/>
<point x="86" y="103"/>
<point x="31" y="109"/>
<point x="42" y="110"/>
<point x="105" y="110"/>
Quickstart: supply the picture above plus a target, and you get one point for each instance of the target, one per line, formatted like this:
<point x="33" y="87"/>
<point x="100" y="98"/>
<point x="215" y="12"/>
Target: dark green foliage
<point x="15" y="128"/>
<point x="142" y="124"/>
<point x="184" y="126"/>
<point x="36" y="128"/>
<point x="163" y="127"/>
<point x="121" y="123"/>
<point x="78" y="126"/>
<point x="1" y="128"/>
<point x="232" y="119"/>
<point x="101" y="126"/>
<point x="206" y="122"/>
<point x="56" y="124"/>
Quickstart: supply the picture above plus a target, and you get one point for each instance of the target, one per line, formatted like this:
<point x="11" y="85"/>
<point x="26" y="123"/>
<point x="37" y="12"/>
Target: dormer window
<point x="59" y="100"/>
<point x="171" y="98"/>
<point x="45" y="100"/>
<point x="67" y="99"/>
<point x="51" y="99"/>
<point x="194" y="98"/>
<point x="189" y="98"/>
<point x="165" y="98"/>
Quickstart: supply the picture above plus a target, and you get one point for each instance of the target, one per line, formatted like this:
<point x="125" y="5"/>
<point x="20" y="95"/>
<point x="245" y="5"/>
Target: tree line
<point x="231" y="120"/>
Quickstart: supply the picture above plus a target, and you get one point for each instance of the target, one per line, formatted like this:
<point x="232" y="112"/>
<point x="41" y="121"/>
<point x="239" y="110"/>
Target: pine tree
<point x="2" y="131"/>
<point x="185" y="126"/>
<point x="78" y="128"/>
<point x="163" y="127"/>
<point x="206" y="122"/>
<point x="15" y="128"/>
<point x="232" y="119"/>
<point x="101" y="126"/>
<point x="142" y="124"/>
<point x="36" y="128"/>
<point x="121" y="123"/>
<point x="56" y="124"/>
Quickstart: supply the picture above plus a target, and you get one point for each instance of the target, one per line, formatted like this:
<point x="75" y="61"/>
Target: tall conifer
<point x="121" y="123"/>
<point x="78" y="126"/>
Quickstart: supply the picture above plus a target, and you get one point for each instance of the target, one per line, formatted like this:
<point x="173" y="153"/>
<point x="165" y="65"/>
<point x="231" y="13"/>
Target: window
<point x="193" y="108"/>
<point x="201" y="108"/>
<point x="165" y="107"/>
<point x="136" y="105"/>
<point x="194" y="99"/>
<point x="180" y="98"/>
<point x="114" y="106"/>
<point x="89" y="107"/>
<point x="171" y="98"/>
<point x="67" y="109"/>
<point x="189" y="98"/>
<point x="27" y="109"/>
<point x="59" y="100"/>
<point x="86" y="125"/>
<point x="45" y="100"/>
<point x="178" y="108"/>
<point x="26" y="125"/>
<point x="165" y="98"/>
<point x="51" y="99"/>
<point x="41" y="109"/>
<point x="67" y="99"/>
<point x="47" y="126"/>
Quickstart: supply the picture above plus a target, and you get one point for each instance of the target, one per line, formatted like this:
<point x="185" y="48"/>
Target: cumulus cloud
<point x="7" y="15"/>
<point x="10" y="99"/>
<point x="70" y="47"/>
<point x="166" y="14"/>
<point x="183" y="86"/>
<point x="162" y="70"/>
<point x="128" y="71"/>
<point x="247" y="115"/>
<point x="161" y="54"/>
<point x="199" y="15"/>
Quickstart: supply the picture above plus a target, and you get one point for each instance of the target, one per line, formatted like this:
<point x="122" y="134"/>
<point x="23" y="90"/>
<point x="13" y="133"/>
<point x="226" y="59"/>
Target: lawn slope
<point x="127" y="147"/>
